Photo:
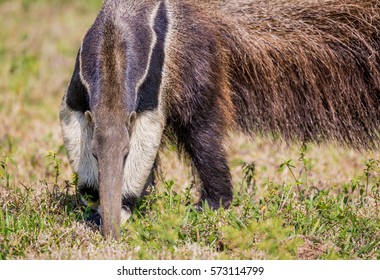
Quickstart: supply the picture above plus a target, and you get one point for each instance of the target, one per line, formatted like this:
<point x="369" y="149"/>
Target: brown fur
<point x="304" y="70"/>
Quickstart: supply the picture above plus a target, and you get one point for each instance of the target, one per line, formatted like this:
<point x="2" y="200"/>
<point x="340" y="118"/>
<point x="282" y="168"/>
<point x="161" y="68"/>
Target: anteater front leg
<point x="146" y="133"/>
<point x="77" y="136"/>
<point x="204" y="145"/>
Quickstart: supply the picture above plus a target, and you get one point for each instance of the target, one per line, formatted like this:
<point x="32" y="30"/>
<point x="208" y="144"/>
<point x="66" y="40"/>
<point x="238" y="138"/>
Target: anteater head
<point x="121" y="63"/>
<point x="110" y="147"/>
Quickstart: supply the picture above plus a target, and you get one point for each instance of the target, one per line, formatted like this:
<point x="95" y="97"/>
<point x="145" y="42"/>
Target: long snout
<point x="110" y="189"/>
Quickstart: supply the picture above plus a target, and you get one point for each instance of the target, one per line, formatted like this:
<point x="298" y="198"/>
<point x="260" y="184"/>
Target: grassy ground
<point x="290" y="202"/>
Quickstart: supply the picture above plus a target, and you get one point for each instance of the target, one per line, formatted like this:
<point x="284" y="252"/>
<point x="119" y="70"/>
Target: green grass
<point x="290" y="202"/>
<point x="290" y="221"/>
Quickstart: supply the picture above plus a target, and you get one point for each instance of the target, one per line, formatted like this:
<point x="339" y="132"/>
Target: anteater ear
<point x="131" y="119"/>
<point x="89" y="118"/>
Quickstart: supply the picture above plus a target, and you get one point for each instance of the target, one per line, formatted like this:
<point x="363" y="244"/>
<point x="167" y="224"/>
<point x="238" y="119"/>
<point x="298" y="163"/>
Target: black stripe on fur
<point x="77" y="95"/>
<point x="149" y="90"/>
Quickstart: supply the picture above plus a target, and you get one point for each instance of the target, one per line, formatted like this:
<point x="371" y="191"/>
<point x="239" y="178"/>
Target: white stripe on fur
<point x="152" y="45"/>
<point x="83" y="80"/>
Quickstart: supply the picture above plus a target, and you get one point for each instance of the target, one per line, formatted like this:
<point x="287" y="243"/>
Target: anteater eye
<point x="125" y="159"/>
<point x="95" y="156"/>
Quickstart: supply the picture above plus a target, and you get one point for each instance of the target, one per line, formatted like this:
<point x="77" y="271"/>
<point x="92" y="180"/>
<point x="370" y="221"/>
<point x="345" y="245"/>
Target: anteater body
<point x="192" y="71"/>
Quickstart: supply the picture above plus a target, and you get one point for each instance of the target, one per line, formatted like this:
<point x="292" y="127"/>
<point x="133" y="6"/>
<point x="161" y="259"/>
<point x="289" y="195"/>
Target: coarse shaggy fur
<point x="304" y="70"/>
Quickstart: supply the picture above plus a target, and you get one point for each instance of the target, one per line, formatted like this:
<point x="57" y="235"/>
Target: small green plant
<point x="53" y="163"/>
<point x="5" y="160"/>
<point x="249" y="176"/>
